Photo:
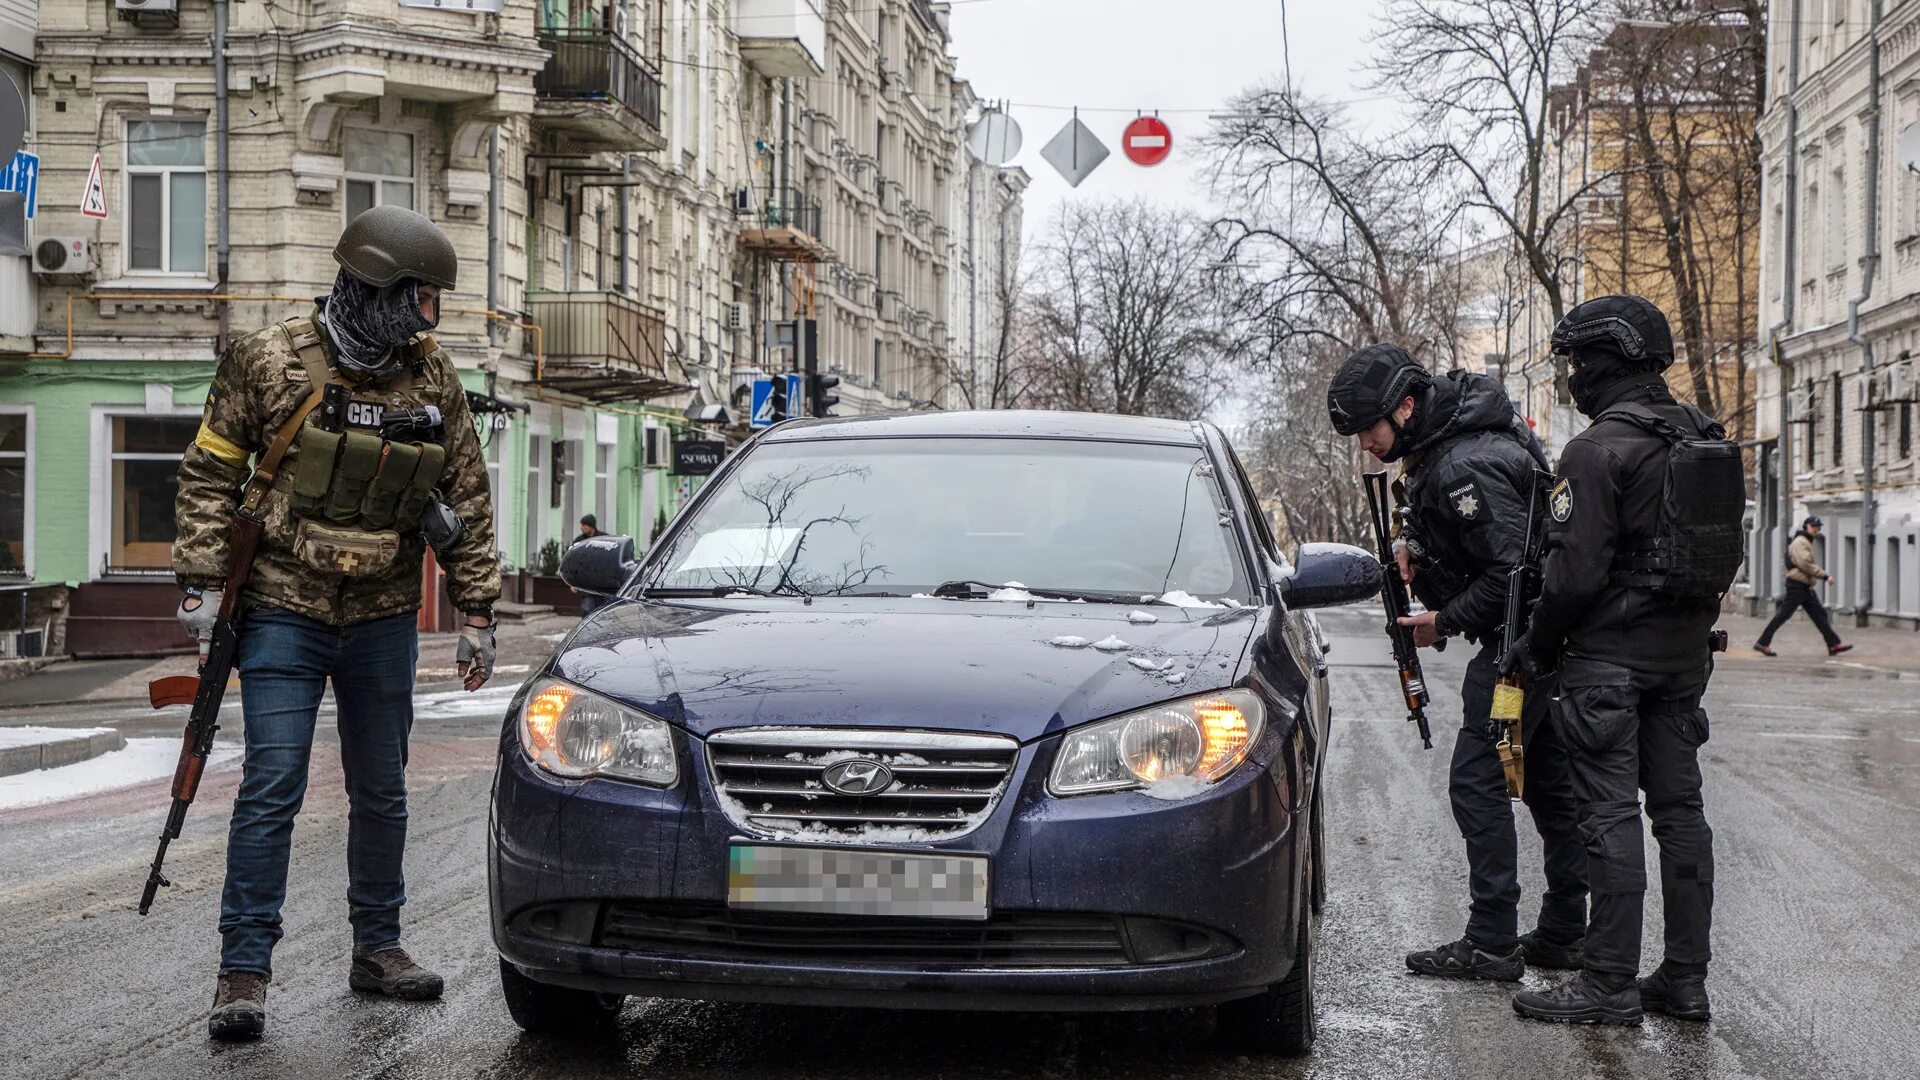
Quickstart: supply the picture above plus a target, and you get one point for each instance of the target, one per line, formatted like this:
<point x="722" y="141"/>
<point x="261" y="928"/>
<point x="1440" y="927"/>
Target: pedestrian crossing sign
<point x="94" y="202"/>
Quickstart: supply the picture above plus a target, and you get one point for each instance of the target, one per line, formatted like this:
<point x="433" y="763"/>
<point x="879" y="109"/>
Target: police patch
<point x="1466" y="500"/>
<point x="1560" y="501"/>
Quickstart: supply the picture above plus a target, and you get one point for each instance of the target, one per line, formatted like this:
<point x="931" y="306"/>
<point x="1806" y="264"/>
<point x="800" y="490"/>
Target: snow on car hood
<point x="960" y="665"/>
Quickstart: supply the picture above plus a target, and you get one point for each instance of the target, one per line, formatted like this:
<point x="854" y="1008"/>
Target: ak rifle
<point x="1509" y="694"/>
<point x="1413" y="683"/>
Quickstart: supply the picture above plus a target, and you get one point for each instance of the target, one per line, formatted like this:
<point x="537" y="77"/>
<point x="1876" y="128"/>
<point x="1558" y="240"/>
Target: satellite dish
<point x="1910" y="147"/>
<point x="994" y="138"/>
<point x="13" y="120"/>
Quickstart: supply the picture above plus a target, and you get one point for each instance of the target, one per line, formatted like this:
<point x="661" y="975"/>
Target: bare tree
<point x="1130" y="313"/>
<point x="1001" y="376"/>
<point x="1483" y="74"/>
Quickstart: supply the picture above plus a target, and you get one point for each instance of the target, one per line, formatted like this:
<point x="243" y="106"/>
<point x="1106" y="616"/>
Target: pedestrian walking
<point x="1471" y="464"/>
<point x="1803" y="573"/>
<point x="379" y="445"/>
<point x="1644" y="538"/>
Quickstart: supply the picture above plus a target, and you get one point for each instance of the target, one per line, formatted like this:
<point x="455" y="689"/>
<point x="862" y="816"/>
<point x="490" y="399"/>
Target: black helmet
<point x="1629" y="327"/>
<point x="1370" y="385"/>
<point x="389" y="244"/>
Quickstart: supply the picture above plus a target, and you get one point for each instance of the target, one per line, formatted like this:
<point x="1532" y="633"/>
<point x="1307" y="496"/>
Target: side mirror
<point x="1331" y="574"/>
<point x="599" y="564"/>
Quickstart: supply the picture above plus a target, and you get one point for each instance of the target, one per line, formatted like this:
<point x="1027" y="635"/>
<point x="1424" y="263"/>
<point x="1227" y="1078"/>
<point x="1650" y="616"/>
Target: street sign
<point x="94" y="202"/>
<point x="698" y="457"/>
<point x="22" y="177"/>
<point x="1075" y="152"/>
<point x="1147" y="141"/>
<point x="995" y="138"/>
<point x="762" y="403"/>
<point x="796" y="393"/>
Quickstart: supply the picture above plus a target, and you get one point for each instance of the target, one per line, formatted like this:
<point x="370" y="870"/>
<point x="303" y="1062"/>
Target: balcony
<point x="787" y="228"/>
<point x="782" y="37"/>
<point x="597" y="92"/>
<point x="602" y="347"/>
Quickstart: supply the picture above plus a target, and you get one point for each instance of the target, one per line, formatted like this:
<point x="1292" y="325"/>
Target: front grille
<point x="771" y="782"/>
<point x="1006" y="940"/>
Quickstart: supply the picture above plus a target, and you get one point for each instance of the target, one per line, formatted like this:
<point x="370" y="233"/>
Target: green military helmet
<point x="388" y="244"/>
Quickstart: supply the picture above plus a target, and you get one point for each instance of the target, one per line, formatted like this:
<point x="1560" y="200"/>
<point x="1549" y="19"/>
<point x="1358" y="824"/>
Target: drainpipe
<point x="1790" y="229"/>
<point x="221" y="247"/>
<point x="494" y="329"/>
<point x="1863" y="590"/>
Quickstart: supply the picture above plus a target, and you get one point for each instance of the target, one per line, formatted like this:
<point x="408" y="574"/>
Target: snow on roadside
<point x="142" y="760"/>
<point x="32" y="736"/>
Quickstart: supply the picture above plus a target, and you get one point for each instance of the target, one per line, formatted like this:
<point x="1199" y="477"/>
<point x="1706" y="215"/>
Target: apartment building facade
<point x="1839" y="322"/>
<point x="598" y="166"/>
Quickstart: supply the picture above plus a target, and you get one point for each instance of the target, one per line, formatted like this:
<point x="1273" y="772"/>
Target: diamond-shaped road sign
<point x="1075" y="152"/>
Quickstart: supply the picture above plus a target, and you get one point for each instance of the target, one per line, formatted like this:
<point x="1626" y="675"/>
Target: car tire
<point x="557" y="1010"/>
<point x="1280" y="1021"/>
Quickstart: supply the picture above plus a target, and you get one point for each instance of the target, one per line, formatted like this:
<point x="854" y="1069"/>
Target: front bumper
<point x="571" y="862"/>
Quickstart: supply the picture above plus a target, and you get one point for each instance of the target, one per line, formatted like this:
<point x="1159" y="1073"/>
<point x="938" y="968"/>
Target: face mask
<point x="367" y="323"/>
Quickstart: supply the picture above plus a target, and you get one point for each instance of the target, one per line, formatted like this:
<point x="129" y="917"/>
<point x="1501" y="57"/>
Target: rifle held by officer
<point x="1413" y="683"/>
<point x="222" y="649"/>
<point x="1509" y="694"/>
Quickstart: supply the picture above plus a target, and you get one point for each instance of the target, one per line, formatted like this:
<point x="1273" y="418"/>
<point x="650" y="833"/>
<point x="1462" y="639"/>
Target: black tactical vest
<point x="1697" y="546"/>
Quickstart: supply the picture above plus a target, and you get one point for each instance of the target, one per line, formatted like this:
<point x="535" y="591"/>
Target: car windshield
<point x="962" y="517"/>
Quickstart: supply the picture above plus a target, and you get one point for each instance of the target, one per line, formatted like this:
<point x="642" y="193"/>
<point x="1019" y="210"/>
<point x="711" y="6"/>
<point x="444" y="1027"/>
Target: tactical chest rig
<point x="1698" y="544"/>
<point x="360" y="480"/>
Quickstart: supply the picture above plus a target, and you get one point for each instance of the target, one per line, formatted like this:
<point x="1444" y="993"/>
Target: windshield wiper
<point x="980" y="590"/>
<point x="717" y="591"/>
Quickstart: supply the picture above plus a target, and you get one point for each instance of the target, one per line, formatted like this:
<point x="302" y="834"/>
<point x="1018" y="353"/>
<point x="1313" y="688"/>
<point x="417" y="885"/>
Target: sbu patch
<point x="1560" y="501"/>
<point x="1466" y="501"/>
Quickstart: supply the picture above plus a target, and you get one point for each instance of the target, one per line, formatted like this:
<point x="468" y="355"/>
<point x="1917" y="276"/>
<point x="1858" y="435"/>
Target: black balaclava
<point x="368" y="323"/>
<point x="1600" y="367"/>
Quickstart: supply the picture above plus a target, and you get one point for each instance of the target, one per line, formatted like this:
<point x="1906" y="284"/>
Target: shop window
<point x="143" y="483"/>
<point x="15" y="495"/>
<point x="167" y="196"/>
<point x="378" y="169"/>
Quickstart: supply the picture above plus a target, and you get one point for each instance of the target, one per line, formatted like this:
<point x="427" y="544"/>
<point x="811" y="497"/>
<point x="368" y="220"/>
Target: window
<point x="15" y="497"/>
<point x="603" y="486"/>
<point x="1837" y="217"/>
<point x="1813" y="423"/>
<point x="1839" y="423"/>
<point x="167" y="196"/>
<point x="540" y="469"/>
<point x="1906" y="429"/>
<point x="143" y="480"/>
<point x="496" y="460"/>
<point x="379" y="169"/>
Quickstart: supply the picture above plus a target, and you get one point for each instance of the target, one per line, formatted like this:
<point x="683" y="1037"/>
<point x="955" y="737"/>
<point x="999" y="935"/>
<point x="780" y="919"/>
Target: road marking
<point x="1807" y="735"/>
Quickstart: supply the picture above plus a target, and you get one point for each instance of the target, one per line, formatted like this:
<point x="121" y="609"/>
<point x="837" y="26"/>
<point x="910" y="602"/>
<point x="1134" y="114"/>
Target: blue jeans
<point x="285" y="662"/>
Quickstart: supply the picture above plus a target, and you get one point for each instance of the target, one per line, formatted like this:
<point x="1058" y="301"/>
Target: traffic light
<point x="817" y="394"/>
<point x="782" y="408"/>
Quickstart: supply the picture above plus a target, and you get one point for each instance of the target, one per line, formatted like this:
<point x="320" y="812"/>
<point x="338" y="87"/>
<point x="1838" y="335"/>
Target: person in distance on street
<point x="1470" y="463"/>
<point x="335" y="586"/>
<point x="1644" y="537"/>
<point x="1803" y="572"/>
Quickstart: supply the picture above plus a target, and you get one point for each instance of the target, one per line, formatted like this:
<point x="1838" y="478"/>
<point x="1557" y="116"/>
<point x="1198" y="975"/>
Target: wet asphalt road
<point x="1813" y="787"/>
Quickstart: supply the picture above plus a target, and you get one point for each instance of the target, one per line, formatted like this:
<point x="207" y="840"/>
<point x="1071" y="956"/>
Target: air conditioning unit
<point x="63" y="255"/>
<point x="743" y="201"/>
<point x="738" y="318"/>
<point x="1866" y="393"/>
<point x="1899" y="385"/>
<point x="657" y="451"/>
<point x="147" y="7"/>
<point x="1800" y="405"/>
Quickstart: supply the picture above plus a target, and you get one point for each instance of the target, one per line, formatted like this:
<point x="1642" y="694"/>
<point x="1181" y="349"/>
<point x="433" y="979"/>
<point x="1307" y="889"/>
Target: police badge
<point x="1560" y="501"/>
<point x="1466" y="501"/>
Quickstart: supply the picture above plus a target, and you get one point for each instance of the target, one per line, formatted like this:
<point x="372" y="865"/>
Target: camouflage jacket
<point x="260" y="384"/>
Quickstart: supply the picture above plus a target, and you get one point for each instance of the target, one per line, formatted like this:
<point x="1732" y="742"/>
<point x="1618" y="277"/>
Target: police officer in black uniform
<point x="1471" y="464"/>
<point x="1643" y="538"/>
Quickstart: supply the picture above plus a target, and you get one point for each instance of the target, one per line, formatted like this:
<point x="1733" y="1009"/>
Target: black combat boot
<point x="1683" y="997"/>
<point x="1465" y="960"/>
<point x="1584" y="999"/>
<point x="393" y="973"/>
<point x="1542" y="953"/>
<point x="239" y="1007"/>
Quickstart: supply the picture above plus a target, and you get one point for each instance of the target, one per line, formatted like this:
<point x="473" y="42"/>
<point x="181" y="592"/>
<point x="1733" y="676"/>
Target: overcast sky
<point x="1142" y="55"/>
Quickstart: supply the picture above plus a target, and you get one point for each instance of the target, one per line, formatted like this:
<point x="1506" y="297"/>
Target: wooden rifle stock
<point x="1393" y="591"/>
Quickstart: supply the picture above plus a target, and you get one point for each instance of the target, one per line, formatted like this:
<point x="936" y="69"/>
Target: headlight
<point x="573" y="733"/>
<point x="1179" y="747"/>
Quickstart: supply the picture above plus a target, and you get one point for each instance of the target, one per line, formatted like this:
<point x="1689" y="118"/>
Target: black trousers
<point x="1630" y="731"/>
<point x="1801" y="596"/>
<point x="1478" y="788"/>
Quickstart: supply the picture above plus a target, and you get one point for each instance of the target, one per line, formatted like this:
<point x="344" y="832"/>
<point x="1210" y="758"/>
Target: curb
<point x="57" y="752"/>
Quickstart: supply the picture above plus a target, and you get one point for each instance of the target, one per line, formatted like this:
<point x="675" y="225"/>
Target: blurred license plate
<point x="843" y="881"/>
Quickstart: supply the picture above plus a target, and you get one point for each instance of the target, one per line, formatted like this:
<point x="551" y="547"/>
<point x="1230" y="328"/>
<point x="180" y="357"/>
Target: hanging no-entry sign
<point x="1147" y="141"/>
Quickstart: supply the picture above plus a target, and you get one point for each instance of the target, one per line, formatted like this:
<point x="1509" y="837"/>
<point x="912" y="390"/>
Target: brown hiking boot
<point x="393" y="973"/>
<point x="239" y="1007"/>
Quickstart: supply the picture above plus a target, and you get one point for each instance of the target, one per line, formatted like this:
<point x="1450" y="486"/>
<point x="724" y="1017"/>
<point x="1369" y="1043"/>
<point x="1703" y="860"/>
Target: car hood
<point x="985" y="666"/>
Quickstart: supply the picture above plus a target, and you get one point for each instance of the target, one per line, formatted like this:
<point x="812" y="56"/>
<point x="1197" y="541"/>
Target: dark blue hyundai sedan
<point x="990" y="710"/>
